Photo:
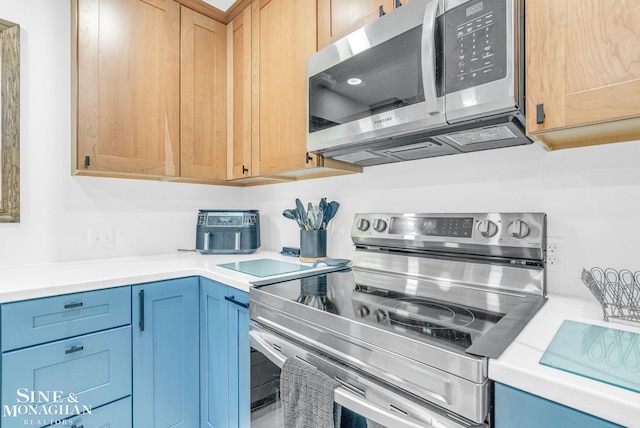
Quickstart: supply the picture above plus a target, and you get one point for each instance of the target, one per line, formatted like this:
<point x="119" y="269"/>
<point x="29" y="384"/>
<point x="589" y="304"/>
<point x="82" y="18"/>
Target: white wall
<point x="591" y="195"/>
<point x="57" y="209"/>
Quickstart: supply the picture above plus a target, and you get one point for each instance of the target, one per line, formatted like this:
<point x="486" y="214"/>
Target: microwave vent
<point x="474" y="136"/>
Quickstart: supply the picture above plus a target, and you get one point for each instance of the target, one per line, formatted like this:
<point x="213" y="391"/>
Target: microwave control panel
<point x="475" y="44"/>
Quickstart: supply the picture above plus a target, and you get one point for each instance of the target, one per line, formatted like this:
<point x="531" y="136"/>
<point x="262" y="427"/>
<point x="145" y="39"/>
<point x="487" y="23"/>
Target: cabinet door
<point x="239" y="63"/>
<point x="165" y="354"/>
<point x="128" y="76"/>
<point x="516" y="408"/>
<point x="583" y="65"/>
<point x="337" y="18"/>
<point x="224" y="356"/>
<point x="284" y="36"/>
<point x="214" y="355"/>
<point x="239" y="360"/>
<point x="203" y="97"/>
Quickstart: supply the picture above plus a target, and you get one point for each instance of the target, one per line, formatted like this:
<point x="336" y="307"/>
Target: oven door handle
<point x="392" y="418"/>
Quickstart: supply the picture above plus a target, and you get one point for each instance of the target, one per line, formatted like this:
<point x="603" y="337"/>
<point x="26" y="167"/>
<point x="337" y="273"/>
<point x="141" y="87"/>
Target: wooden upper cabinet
<point x="583" y="71"/>
<point x="337" y="18"/>
<point x="239" y="83"/>
<point x="128" y="76"/>
<point x="203" y="97"/>
<point x="282" y="41"/>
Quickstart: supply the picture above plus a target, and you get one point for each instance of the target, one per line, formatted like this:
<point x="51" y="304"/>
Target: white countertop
<point x="519" y="365"/>
<point x="33" y="281"/>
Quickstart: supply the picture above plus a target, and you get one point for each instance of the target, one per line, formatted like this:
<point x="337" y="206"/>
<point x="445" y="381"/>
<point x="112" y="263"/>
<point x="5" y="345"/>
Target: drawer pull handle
<point x="73" y="305"/>
<point x="141" y="302"/>
<point x="233" y="300"/>
<point x="74" y="349"/>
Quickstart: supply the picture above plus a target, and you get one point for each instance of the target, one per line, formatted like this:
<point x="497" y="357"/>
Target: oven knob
<point x="379" y="225"/>
<point x="362" y="311"/>
<point x="518" y="229"/>
<point x="487" y="228"/>
<point x="363" y="224"/>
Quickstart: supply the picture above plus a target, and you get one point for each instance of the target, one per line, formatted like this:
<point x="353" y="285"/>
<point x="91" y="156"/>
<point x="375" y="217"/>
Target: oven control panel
<point x="450" y="230"/>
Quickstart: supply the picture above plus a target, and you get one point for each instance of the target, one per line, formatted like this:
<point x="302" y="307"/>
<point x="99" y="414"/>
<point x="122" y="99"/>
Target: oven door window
<point x="265" y="392"/>
<point x="382" y="78"/>
<point x="266" y="410"/>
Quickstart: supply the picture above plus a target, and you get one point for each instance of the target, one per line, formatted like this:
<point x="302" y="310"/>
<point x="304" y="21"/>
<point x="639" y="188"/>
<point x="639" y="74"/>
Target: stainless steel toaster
<point x="228" y="231"/>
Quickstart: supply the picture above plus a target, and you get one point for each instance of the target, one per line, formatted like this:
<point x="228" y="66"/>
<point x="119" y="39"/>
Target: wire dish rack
<point x="617" y="291"/>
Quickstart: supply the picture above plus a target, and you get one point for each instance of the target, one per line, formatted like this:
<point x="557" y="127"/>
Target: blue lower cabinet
<point x="113" y="415"/>
<point x="224" y="356"/>
<point x="66" y="377"/>
<point x="516" y="408"/>
<point x="165" y="347"/>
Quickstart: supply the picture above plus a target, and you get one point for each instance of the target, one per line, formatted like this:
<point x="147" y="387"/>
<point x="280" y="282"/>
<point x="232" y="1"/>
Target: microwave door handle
<point x="429" y="57"/>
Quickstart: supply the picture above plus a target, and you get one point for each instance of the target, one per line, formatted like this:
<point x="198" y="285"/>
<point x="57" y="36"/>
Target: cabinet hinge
<point x="540" y="113"/>
<point x="87" y="161"/>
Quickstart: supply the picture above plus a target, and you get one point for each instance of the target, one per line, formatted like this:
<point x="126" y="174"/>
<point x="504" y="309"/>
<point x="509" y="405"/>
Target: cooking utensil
<point x="292" y="214"/>
<point x="329" y="213"/>
<point x="314" y="217"/>
<point x="299" y="220"/>
<point x="301" y="211"/>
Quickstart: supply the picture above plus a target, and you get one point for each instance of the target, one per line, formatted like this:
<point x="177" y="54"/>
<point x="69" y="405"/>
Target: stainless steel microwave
<point x="431" y="78"/>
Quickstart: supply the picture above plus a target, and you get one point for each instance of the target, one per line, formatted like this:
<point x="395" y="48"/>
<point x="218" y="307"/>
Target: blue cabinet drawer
<point x="88" y="370"/>
<point x="48" y="319"/>
<point x="114" y="415"/>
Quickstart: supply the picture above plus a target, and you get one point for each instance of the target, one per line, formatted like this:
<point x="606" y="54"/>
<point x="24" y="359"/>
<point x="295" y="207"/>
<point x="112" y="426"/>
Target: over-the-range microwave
<point x="431" y="78"/>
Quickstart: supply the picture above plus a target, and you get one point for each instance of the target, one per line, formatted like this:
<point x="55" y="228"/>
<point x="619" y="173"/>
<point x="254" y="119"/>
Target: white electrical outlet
<point x="556" y="254"/>
<point x="101" y="237"/>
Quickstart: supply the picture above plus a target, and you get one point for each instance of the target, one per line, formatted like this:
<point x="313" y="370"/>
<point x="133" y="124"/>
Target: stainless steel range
<point x="408" y="330"/>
